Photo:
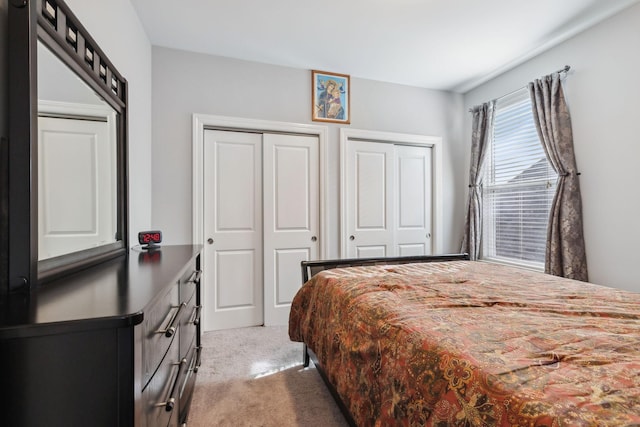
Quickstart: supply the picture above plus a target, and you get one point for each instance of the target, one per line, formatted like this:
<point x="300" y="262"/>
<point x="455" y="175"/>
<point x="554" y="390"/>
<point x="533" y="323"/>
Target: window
<point x="519" y="185"/>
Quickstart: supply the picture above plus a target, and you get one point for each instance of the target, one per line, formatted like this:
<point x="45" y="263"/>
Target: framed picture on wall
<point x="330" y="97"/>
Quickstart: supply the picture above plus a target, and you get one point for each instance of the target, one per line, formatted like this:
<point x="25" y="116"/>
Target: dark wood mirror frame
<point x="53" y="23"/>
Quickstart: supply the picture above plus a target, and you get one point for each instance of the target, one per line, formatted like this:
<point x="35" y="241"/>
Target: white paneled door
<point x="413" y="200"/>
<point x="75" y="190"/>
<point x="387" y="199"/>
<point x="233" y="229"/>
<point x="291" y="189"/>
<point x="260" y="220"/>
<point x="369" y="199"/>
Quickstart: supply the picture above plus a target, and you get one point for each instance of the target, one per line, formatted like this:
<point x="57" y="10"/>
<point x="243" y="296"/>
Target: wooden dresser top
<point x="112" y="294"/>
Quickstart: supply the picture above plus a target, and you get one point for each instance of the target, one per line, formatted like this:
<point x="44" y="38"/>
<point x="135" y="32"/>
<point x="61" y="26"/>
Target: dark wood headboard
<point x="311" y="268"/>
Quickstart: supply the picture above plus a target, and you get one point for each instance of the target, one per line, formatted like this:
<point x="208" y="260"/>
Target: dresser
<point x="114" y="345"/>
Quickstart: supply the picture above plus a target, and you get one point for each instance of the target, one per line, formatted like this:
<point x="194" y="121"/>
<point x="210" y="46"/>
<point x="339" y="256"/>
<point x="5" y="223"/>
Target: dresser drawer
<point x="188" y="381"/>
<point x="189" y="283"/>
<point x="162" y="393"/>
<point x="189" y="325"/>
<point x="159" y="329"/>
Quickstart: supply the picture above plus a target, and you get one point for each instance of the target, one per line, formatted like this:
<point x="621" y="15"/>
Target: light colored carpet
<point x="254" y="377"/>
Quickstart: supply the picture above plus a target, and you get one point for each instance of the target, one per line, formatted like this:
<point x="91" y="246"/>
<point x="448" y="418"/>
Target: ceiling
<point x="438" y="44"/>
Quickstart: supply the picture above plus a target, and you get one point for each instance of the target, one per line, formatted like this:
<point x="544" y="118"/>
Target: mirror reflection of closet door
<point x="76" y="185"/>
<point x="77" y="162"/>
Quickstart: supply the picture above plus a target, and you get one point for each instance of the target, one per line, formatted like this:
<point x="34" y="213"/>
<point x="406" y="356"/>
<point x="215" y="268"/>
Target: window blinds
<point x="518" y="188"/>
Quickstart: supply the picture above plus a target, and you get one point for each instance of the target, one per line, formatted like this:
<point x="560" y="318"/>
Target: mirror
<point x="77" y="204"/>
<point x="67" y="191"/>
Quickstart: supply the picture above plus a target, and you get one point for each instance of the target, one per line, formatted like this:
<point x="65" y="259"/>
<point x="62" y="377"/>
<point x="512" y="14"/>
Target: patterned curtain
<point x="565" y="252"/>
<point x="482" y="124"/>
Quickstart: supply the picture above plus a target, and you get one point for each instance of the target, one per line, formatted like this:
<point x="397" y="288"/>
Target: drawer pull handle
<point x="192" y="370"/>
<point x="170" y="403"/>
<point x="195" y="317"/>
<point x="195" y="276"/>
<point x="172" y="327"/>
<point x="198" y="361"/>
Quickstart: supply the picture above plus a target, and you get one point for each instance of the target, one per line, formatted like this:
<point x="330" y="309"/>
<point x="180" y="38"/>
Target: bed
<point x="443" y="341"/>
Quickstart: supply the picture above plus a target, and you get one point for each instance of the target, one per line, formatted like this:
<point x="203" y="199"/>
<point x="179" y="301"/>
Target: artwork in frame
<point x="330" y="97"/>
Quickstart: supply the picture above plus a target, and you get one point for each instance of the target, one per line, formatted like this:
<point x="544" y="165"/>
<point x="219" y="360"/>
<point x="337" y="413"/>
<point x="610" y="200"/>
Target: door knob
<point x="210" y="241"/>
<point x="352" y="237"/>
<point x="314" y="238"/>
<point x="428" y="235"/>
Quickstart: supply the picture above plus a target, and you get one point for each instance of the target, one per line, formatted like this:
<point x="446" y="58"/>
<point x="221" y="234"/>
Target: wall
<point x="602" y="93"/>
<point x="59" y="84"/>
<point x="185" y="83"/>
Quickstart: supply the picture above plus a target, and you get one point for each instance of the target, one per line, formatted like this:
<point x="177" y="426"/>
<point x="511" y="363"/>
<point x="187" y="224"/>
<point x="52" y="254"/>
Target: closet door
<point x="291" y="197"/>
<point x="413" y="205"/>
<point x="369" y="199"/>
<point x="388" y="199"/>
<point x="233" y="293"/>
<point x="261" y="210"/>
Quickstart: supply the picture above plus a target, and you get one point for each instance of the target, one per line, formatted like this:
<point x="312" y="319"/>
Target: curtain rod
<point x="564" y="69"/>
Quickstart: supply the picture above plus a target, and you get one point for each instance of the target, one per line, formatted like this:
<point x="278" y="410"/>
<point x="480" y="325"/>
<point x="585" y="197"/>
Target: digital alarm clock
<point x="150" y="238"/>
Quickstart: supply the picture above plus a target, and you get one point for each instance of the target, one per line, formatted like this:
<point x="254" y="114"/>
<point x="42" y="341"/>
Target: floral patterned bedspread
<point x="467" y="343"/>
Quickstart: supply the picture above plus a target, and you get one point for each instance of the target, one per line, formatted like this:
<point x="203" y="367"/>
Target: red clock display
<point x="150" y="237"/>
